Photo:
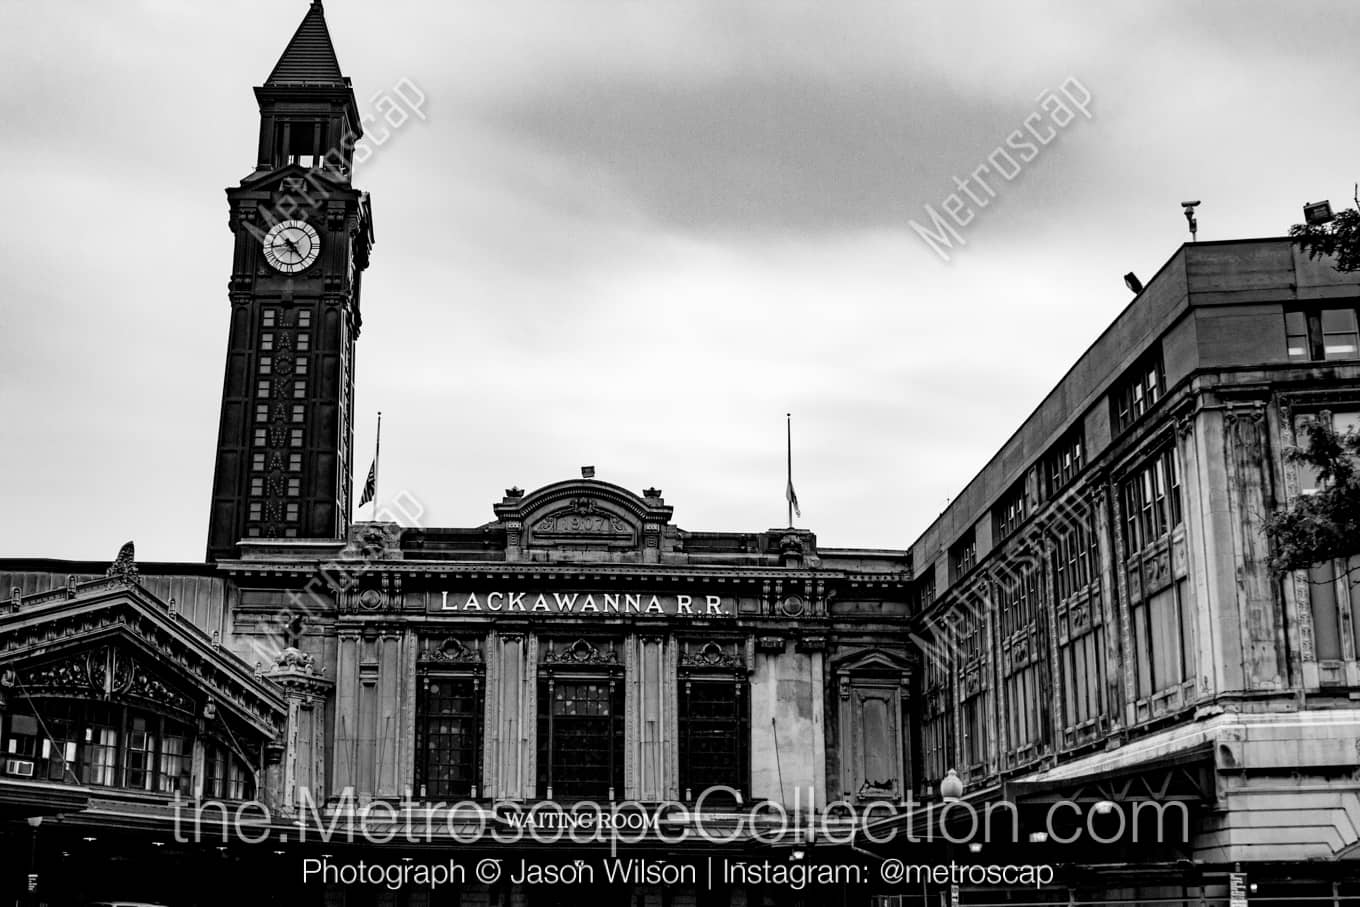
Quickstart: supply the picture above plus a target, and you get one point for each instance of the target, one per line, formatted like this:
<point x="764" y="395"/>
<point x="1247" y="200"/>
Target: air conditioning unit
<point x="21" y="767"/>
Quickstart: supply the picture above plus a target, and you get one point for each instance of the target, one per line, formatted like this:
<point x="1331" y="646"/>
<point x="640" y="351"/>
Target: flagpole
<point x="788" y="426"/>
<point x="377" y="450"/>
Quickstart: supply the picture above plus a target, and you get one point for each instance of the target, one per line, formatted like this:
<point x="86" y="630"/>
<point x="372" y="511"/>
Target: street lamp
<point x="33" y="823"/>
<point x="951" y="788"/>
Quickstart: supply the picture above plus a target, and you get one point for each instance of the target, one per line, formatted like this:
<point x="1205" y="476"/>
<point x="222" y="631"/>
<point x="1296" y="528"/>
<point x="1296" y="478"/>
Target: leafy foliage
<point x="1325" y="524"/>
<point x="1340" y="237"/>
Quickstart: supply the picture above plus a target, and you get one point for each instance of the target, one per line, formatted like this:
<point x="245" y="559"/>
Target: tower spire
<point x="310" y="56"/>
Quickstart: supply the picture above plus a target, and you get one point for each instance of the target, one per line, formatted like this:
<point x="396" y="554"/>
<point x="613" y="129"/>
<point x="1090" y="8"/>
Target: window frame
<point x="1021" y="607"/>
<point x="963" y="556"/>
<point x="1080" y="631"/>
<point x="590" y="664"/>
<point x="1159" y="604"/>
<point x="740" y="726"/>
<point x="1010" y="512"/>
<point x="1064" y="460"/>
<point x="92" y="743"/>
<point x="1138" y="391"/>
<point x="1312" y="339"/>
<point x="428" y="675"/>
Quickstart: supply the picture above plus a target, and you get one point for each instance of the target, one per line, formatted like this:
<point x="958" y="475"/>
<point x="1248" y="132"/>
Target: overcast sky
<point x="630" y="235"/>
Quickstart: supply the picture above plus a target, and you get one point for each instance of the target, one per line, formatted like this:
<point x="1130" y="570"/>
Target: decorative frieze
<point x="580" y="652"/>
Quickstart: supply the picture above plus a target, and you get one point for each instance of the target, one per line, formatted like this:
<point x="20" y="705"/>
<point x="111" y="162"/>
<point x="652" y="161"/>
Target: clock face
<point x="291" y="246"/>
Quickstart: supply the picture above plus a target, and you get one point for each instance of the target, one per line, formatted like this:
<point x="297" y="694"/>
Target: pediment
<point x="112" y="639"/>
<point x="584" y="514"/>
<point x="113" y="669"/>
<point x="874" y="661"/>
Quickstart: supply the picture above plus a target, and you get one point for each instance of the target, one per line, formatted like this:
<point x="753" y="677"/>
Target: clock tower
<point x="302" y="239"/>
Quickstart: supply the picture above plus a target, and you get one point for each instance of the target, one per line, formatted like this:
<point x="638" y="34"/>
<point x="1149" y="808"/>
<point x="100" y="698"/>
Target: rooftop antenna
<point x="1190" y="217"/>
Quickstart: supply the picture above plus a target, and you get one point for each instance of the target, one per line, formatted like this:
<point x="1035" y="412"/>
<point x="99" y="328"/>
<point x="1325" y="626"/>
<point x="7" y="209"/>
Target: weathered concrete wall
<point x="787" y="720"/>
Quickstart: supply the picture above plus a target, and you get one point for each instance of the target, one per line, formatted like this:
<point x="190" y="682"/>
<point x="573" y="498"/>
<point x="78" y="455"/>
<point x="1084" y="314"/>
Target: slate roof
<point x="309" y="57"/>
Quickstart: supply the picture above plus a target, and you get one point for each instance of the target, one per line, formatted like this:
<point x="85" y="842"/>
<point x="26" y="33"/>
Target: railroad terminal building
<point x="1090" y="627"/>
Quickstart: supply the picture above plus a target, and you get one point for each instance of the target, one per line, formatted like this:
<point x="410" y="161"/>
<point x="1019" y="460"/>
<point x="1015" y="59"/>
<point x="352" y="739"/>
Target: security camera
<point x="1189" y="213"/>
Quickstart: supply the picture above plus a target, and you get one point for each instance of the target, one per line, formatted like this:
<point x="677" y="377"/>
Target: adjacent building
<point x="1098" y="620"/>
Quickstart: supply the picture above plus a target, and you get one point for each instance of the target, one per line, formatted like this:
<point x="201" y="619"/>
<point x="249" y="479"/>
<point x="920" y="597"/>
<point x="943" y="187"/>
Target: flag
<point x="792" y="498"/>
<point x="371" y="484"/>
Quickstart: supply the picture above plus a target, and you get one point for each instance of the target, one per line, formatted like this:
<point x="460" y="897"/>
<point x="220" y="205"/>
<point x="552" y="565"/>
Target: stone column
<point x="510" y="753"/>
<point x="295" y="763"/>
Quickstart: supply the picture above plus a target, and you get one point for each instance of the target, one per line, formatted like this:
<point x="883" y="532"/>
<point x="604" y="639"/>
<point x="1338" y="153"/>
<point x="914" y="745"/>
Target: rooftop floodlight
<point x="1133" y="283"/>
<point x="1315" y="214"/>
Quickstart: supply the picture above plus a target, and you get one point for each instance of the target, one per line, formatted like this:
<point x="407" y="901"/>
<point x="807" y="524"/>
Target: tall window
<point x="962" y="556"/>
<point x="580" y="723"/>
<point x="1152" y="502"/>
<point x="1024" y="662"/>
<point x="581" y="737"/>
<point x="1333" y="586"/>
<point x="1137" y="392"/>
<point x="449" y="735"/>
<point x="225" y="776"/>
<point x="937" y="733"/>
<point x="1320" y="334"/>
<point x="974" y="685"/>
<point x="1340" y="421"/>
<point x="923" y="589"/>
<point x="1009" y="513"/>
<point x="1064" y="460"/>
<point x="1159" y="608"/>
<point x="1081" y="625"/>
<point x="100" y="765"/>
<point x="1162" y="636"/>
<point x="714" y="721"/>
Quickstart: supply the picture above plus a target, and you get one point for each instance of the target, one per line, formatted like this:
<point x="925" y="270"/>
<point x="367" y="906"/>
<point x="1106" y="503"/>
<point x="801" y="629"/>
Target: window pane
<point x="1165" y="618"/>
<point x="1322" y="596"/>
<point x="712" y="733"/>
<point x="1187" y="624"/>
<point x="581" y="738"/>
<point x="1354" y="572"/>
<point x="1141" y="653"/>
<point x="1339" y="334"/>
<point x="1338" y="320"/>
<point x="450" y="721"/>
<point x="1339" y="346"/>
<point x="102" y="747"/>
<point x="1346" y="421"/>
<point x="1308" y="479"/>
<point x="1296" y="334"/>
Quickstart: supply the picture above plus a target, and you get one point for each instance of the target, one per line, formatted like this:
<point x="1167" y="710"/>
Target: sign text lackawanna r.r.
<point x="587" y="603"/>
